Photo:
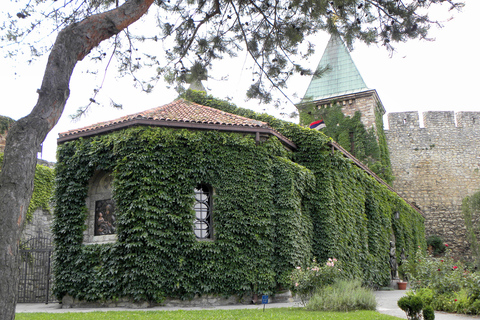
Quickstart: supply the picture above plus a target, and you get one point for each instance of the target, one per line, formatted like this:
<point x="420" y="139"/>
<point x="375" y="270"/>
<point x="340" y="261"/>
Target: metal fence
<point x="35" y="266"/>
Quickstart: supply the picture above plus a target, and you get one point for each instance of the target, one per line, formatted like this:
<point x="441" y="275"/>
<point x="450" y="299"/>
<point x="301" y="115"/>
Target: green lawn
<point x="273" y="313"/>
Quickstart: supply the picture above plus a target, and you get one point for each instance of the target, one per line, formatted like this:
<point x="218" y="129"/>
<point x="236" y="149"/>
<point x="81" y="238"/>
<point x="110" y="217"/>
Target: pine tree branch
<point x="263" y="72"/>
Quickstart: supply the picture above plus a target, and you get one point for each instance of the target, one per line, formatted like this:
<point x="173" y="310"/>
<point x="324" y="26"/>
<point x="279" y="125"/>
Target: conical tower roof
<point x="342" y="76"/>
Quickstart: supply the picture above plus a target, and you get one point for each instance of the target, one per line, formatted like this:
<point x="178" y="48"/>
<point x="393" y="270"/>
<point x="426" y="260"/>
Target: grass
<point x="269" y="313"/>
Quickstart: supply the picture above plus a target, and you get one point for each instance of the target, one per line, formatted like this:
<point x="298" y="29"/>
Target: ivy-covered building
<point x="352" y="112"/>
<point x="201" y="198"/>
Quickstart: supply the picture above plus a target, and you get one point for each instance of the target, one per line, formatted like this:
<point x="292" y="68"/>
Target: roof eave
<point x="176" y="124"/>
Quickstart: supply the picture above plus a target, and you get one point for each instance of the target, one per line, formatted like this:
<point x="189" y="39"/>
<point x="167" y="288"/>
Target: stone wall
<point x="436" y="167"/>
<point x="367" y="102"/>
<point x="100" y="189"/>
<point x="40" y="226"/>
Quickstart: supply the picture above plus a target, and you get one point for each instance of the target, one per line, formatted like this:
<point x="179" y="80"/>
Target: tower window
<point x="203" y="224"/>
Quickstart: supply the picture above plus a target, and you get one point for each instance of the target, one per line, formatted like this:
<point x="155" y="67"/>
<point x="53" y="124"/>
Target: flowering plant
<point x="441" y="275"/>
<point x="452" y="287"/>
<point x="305" y="281"/>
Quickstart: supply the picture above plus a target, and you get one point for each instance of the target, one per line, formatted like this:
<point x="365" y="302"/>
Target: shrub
<point x="472" y="285"/>
<point x="436" y="244"/>
<point x="442" y="275"/>
<point x="412" y="305"/>
<point x="305" y="281"/>
<point x="445" y="302"/>
<point x="426" y="295"/>
<point x="344" y="295"/>
<point x="428" y="313"/>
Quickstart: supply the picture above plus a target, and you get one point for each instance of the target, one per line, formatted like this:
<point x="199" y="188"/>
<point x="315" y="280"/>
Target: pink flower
<point x="298" y="268"/>
<point x="329" y="264"/>
<point x="455" y="267"/>
<point x="296" y="284"/>
<point x="439" y="270"/>
<point x="455" y="299"/>
<point x="329" y="259"/>
<point x="446" y="245"/>
<point x="441" y="260"/>
<point x="334" y="259"/>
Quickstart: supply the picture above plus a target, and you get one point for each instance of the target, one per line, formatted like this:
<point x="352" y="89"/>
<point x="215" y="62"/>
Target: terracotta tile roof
<point x="181" y="114"/>
<point x="179" y="111"/>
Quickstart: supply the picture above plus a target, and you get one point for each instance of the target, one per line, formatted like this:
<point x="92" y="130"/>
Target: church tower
<point x="341" y="83"/>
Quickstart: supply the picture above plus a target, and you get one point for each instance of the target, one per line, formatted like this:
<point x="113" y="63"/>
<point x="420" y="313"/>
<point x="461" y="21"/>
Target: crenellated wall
<point x="436" y="167"/>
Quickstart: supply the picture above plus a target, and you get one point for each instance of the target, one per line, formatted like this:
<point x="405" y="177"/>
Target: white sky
<point x="421" y="76"/>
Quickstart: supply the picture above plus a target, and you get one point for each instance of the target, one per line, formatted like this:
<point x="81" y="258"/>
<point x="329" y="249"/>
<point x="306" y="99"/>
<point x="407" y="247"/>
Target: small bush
<point x="417" y="305"/>
<point x="412" y="305"/>
<point x="343" y="296"/>
<point x="436" y="244"/>
<point x="428" y="313"/>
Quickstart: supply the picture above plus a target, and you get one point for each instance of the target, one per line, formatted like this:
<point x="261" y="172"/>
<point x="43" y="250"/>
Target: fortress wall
<point x="468" y="119"/>
<point x="436" y="167"/>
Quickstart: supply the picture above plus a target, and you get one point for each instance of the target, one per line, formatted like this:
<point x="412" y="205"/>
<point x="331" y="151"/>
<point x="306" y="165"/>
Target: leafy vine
<point x="274" y="209"/>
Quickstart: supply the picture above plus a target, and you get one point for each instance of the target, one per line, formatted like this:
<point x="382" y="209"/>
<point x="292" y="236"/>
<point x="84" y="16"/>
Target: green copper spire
<point x="342" y="76"/>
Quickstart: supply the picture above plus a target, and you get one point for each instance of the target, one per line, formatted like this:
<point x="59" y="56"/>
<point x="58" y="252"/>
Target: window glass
<point x="203" y="212"/>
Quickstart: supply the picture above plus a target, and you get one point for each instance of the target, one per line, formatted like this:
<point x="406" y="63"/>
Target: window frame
<point x="203" y="189"/>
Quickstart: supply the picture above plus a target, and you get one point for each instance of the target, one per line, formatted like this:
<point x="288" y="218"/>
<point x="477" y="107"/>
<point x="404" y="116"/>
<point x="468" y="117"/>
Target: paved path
<point x="387" y="304"/>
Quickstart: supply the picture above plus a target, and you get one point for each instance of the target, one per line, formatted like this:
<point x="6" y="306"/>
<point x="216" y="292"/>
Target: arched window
<point x="203" y="225"/>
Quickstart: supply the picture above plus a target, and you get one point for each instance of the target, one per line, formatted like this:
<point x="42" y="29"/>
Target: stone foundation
<point x="204" y="301"/>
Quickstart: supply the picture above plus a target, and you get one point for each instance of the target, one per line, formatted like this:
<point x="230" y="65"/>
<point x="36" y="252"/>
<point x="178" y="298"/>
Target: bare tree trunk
<point x="16" y="178"/>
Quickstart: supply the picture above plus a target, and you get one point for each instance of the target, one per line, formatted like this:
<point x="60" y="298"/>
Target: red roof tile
<point x="180" y="111"/>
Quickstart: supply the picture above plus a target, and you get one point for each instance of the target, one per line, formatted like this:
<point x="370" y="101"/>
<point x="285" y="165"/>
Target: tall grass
<point x="344" y="295"/>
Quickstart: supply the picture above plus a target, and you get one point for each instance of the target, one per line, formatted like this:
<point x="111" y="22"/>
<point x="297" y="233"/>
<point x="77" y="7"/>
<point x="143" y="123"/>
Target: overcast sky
<point x="420" y="76"/>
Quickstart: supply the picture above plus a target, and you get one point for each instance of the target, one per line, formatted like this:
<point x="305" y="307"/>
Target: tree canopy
<point x="180" y="40"/>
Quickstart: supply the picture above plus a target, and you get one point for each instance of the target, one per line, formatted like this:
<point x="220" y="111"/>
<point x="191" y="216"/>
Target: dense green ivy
<point x="42" y="189"/>
<point x="5" y="123"/>
<point x="367" y="145"/>
<point x="262" y="229"/>
<point x="470" y="209"/>
<point x="354" y="215"/>
<point x="273" y="210"/>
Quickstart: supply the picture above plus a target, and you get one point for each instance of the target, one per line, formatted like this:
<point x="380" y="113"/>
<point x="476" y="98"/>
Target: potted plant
<point x="402" y="285"/>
